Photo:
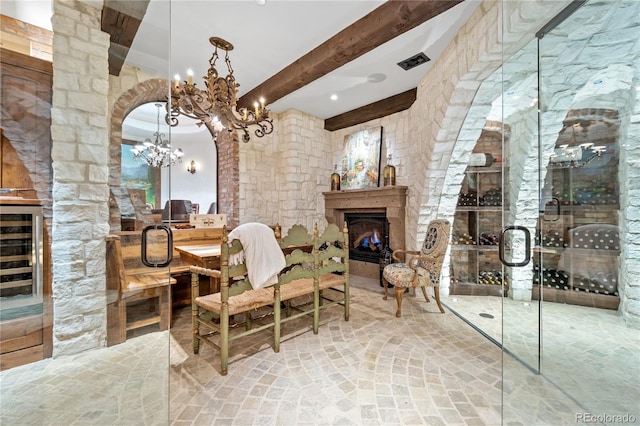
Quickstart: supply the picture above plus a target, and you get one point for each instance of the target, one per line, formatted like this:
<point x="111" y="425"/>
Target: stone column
<point x="80" y="173"/>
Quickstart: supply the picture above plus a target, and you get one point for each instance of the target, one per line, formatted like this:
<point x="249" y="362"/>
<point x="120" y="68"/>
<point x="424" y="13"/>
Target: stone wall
<point x="80" y="168"/>
<point x="282" y="175"/>
<point x="630" y="215"/>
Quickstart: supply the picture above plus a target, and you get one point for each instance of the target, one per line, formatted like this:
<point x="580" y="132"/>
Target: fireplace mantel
<point x="388" y="199"/>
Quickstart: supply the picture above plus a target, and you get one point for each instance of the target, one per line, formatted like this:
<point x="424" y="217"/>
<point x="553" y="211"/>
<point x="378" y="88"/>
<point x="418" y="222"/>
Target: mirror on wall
<point x="139" y="128"/>
<point x="147" y="184"/>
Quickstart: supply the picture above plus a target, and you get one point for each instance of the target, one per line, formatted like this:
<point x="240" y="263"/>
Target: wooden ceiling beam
<point x="121" y="19"/>
<point x="378" y="109"/>
<point x="386" y="22"/>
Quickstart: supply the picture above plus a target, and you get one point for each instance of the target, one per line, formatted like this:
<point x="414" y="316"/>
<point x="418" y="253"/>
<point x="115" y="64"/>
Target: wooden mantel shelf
<point x="382" y="197"/>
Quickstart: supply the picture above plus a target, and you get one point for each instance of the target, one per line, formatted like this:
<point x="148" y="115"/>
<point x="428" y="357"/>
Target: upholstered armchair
<point x="423" y="267"/>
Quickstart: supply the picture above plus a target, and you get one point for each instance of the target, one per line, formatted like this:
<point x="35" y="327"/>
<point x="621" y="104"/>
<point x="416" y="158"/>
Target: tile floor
<point x="425" y="368"/>
<point x="586" y="351"/>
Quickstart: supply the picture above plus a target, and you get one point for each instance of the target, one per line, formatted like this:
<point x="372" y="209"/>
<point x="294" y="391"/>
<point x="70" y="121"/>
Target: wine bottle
<point x="335" y="179"/>
<point x="482" y="159"/>
<point x="389" y="173"/>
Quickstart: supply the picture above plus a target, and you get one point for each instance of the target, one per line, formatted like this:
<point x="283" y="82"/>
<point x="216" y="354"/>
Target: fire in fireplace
<point x="367" y="235"/>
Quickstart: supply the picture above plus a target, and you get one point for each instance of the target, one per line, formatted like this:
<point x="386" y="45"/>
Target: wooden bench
<point x="129" y="280"/>
<point x="314" y="263"/>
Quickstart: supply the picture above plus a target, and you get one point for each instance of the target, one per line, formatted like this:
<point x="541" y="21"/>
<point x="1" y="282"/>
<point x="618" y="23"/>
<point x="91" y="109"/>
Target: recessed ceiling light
<point x="261" y="2"/>
<point x="334" y="97"/>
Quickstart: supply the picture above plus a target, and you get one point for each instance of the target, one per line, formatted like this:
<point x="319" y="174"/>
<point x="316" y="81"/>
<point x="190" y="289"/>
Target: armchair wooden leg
<point x="424" y="291"/>
<point x="399" y="293"/>
<point x="436" y="293"/>
<point x="385" y="284"/>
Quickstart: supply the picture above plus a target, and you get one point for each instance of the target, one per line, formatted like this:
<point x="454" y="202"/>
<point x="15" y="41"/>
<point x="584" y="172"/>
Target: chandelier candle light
<point x="157" y="153"/>
<point x="215" y="106"/>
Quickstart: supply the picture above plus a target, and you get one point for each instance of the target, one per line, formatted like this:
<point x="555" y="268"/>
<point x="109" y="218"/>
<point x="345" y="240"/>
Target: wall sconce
<point x="192" y="167"/>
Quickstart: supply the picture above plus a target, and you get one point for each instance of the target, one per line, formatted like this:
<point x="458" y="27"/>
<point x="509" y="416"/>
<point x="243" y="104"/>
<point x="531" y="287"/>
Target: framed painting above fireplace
<point x="361" y="161"/>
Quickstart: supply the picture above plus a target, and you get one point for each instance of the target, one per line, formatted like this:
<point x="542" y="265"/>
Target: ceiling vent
<point x="414" y="61"/>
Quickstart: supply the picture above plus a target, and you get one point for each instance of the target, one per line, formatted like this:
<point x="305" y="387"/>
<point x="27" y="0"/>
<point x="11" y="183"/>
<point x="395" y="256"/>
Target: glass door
<point x="569" y="228"/>
<point x="70" y="353"/>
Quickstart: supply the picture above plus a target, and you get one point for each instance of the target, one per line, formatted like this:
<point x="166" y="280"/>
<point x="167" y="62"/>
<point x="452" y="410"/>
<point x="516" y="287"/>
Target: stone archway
<point x="153" y="90"/>
<point x="157" y="90"/>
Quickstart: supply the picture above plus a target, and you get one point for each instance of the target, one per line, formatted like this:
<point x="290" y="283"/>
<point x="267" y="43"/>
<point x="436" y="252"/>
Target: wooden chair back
<point x="332" y="250"/>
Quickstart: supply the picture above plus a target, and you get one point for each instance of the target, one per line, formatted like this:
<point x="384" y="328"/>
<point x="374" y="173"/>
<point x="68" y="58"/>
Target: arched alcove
<point x="147" y="91"/>
<point x="157" y="90"/>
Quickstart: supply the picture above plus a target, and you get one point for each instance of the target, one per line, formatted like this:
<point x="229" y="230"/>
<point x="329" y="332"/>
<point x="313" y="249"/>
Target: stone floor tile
<point x="425" y="368"/>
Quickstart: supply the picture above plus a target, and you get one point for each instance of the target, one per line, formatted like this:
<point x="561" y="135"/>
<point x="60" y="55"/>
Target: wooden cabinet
<point x="25" y="172"/>
<point x="475" y="265"/>
<point x="25" y="91"/>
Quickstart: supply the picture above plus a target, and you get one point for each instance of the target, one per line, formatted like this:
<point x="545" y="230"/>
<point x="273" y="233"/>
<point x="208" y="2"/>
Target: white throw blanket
<point x="263" y="255"/>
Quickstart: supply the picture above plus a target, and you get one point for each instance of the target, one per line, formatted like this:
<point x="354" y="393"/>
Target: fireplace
<point x="367" y="235"/>
<point x="386" y="203"/>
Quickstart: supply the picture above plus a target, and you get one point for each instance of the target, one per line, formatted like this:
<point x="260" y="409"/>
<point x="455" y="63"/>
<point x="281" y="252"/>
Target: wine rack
<point x="475" y="265"/>
<point x="578" y="239"/>
<point x="21" y="285"/>
<point x="581" y="266"/>
<point x="20" y="259"/>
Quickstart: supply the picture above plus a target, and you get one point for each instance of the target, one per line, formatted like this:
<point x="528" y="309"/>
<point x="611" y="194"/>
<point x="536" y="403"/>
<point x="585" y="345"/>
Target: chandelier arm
<point x="171" y="118"/>
<point x="266" y="127"/>
<point x="245" y="136"/>
<point x="215" y="106"/>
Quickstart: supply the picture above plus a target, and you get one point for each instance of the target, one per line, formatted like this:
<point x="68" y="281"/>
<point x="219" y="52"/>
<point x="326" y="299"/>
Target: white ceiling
<point x="174" y="36"/>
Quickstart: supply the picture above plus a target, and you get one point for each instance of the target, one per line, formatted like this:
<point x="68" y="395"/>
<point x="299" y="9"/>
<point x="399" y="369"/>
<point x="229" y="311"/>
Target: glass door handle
<point x="143" y="246"/>
<point x="527" y="245"/>
<point x="549" y="217"/>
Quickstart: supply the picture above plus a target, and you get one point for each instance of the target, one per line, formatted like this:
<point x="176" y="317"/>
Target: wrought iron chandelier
<point x="215" y="106"/>
<point x="157" y="153"/>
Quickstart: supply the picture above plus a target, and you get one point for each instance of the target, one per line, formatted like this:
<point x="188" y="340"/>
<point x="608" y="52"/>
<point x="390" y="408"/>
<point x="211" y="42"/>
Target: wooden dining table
<point x="204" y="256"/>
